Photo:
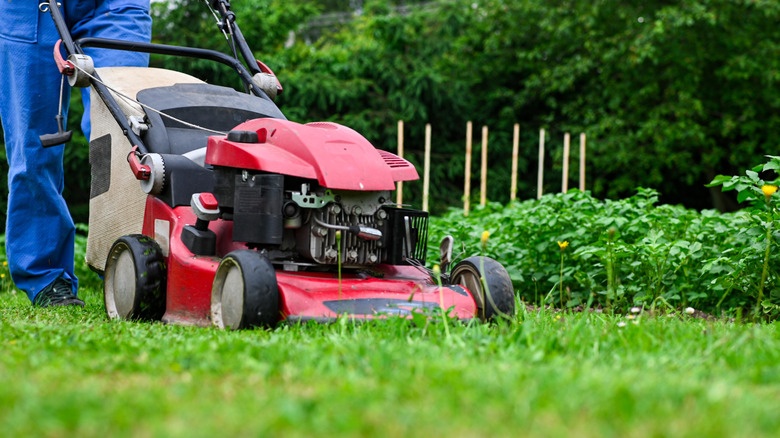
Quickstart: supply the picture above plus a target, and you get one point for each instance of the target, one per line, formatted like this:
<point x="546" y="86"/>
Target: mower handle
<point x="165" y="49"/>
<point x="229" y="21"/>
<point x="75" y="47"/>
<point x="59" y="22"/>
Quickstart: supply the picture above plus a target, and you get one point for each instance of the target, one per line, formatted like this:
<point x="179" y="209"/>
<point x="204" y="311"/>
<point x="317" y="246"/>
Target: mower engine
<point x="263" y="173"/>
<point x="357" y="222"/>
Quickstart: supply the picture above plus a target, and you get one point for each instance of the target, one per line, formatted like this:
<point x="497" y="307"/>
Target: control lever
<point x="61" y="136"/>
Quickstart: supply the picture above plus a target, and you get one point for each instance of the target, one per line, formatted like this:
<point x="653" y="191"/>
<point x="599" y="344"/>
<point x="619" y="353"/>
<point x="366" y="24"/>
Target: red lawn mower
<point x="208" y="207"/>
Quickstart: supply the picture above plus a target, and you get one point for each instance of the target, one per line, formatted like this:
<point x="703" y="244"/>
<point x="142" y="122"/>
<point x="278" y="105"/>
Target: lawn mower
<point x="209" y="207"/>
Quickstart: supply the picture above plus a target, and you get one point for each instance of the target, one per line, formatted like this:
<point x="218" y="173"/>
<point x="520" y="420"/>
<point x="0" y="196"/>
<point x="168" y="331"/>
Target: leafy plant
<point x="629" y="252"/>
<point x="759" y="192"/>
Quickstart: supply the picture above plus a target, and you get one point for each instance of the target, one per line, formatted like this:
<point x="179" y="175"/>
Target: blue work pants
<point x="39" y="229"/>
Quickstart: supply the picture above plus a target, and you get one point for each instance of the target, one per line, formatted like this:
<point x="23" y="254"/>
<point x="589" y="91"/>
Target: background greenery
<point x="669" y="93"/>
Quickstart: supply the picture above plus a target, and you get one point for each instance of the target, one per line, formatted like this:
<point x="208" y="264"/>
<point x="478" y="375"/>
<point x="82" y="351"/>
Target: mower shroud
<point x="337" y="158"/>
<point x="230" y="215"/>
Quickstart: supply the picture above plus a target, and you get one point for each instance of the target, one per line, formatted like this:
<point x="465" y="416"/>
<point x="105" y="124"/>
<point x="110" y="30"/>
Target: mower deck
<point x="366" y="293"/>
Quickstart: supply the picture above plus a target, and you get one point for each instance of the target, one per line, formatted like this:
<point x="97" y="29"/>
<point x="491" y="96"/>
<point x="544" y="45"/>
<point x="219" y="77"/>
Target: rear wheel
<point x="245" y="292"/>
<point x="489" y="284"/>
<point x="135" y="280"/>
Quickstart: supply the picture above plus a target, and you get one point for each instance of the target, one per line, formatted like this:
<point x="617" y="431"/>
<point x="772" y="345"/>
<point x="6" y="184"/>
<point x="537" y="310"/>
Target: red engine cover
<point x="336" y="156"/>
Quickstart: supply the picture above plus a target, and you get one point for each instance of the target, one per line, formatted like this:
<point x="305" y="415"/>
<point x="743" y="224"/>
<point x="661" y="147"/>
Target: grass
<point x="70" y="372"/>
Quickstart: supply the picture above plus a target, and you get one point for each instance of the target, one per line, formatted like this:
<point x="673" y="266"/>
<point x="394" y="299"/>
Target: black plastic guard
<point x="209" y="106"/>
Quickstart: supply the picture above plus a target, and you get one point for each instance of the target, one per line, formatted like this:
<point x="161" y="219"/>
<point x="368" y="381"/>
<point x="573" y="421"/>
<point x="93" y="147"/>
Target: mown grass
<point x="70" y="372"/>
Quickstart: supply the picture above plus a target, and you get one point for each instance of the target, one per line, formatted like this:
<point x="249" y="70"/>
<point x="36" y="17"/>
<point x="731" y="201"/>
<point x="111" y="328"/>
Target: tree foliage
<point x="669" y="93"/>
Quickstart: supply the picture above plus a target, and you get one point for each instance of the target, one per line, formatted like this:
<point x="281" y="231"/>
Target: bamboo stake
<point x="467" y="177"/>
<point x="399" y="194"/>
<point x="582" y="162"/>
<point x="483" y="182"/>
<point x="427" y="169"/>
<point x="565" y="182"/>
<point x="515" y="147"/>
<point x="540" y="178"/>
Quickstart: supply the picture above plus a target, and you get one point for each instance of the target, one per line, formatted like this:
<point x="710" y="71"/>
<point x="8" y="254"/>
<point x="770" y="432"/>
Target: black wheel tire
<point x="489" y="284"/>
<point x="135" y="279"/>
<point x="245" y="292"/>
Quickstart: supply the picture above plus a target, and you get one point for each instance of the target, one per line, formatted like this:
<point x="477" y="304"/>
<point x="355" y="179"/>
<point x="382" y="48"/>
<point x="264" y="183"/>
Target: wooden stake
<point x="399" y="193"/>
<point x="467" y="177"/>
<point x="515" y="147"/>
<point x="565" y="182"/>
<point x="540" y="178"/>
<point x="582" y="162"/>
<point x="427" y="167"/>
<point x="483" y="182"/>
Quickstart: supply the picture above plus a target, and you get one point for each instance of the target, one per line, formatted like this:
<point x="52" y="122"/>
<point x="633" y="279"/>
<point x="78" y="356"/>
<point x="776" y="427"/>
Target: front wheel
<point x="135" y="280"/>
<point x="489" y="284"/>
<point x="245" y="292"/>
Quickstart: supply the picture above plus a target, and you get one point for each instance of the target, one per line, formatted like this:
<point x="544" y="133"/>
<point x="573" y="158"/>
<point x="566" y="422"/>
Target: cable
<point x="162" y="114"/>
<point x="216" y="18"/>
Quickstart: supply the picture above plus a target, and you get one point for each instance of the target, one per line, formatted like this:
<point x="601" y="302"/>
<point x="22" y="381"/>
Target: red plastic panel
<point x="190" y="277"/>
<point x="336" y="156"/>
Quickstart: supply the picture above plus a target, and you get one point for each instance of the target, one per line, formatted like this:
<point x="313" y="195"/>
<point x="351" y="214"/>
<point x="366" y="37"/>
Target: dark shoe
<point x="59" y="293"/>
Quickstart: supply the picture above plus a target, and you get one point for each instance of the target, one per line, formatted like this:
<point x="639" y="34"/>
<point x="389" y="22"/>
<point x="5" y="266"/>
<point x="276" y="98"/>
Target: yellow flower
<point x="768" y="190"/>
<point x="484" y="238"/>
<point x="563" y="244"/>
<point x="436" y="270"/>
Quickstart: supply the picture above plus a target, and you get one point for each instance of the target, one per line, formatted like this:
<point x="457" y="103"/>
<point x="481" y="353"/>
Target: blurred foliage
<point x="265" y="24"/>
<point x="669" y="93"/>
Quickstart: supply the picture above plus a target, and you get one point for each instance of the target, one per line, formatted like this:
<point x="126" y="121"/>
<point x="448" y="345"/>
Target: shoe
<point x="58" y="293"/>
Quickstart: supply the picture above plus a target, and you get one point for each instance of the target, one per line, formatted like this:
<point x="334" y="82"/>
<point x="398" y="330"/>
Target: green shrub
<point x="623" y="253"/>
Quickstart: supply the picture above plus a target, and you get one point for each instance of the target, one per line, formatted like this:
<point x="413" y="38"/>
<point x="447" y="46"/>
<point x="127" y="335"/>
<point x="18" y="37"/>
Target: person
<point x="40" y="233"/>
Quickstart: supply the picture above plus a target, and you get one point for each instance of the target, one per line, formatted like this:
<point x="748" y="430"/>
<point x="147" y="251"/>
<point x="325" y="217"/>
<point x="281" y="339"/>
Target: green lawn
<point x="69" y="372"/>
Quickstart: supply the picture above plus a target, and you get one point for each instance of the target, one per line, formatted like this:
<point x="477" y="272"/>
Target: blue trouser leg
<point x="39" y="229"/>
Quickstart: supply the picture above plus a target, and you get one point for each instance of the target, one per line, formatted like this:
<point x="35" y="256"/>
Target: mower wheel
<point x="489" y="284"/>
<point x="135" y="279"/>
<point x="245" y="292"/>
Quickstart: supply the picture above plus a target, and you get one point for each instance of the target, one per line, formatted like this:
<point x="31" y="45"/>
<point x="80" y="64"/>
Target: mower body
<point x="276" y="191"/>
<point x="313" y="199"/>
